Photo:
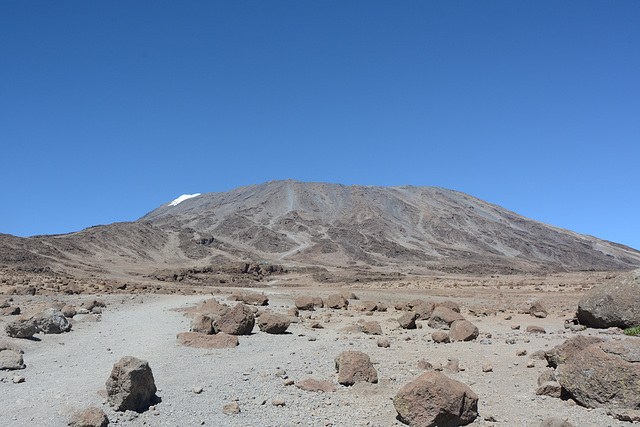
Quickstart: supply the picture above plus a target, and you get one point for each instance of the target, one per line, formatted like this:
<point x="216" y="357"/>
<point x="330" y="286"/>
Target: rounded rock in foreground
<point x="131" y="385"/>
<point x="90" y="417"/>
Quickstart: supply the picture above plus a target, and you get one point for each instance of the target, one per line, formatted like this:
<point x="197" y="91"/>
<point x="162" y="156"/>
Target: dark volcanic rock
<point x="612" y="304"/>
<point x="433" y="399"/>
<point x="21" y="328"/>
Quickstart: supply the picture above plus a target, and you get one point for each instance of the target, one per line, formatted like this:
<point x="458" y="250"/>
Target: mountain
<point x="296" y="223"/>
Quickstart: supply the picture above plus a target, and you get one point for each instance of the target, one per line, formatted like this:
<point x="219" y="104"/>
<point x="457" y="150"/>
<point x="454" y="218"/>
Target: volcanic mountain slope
<point x="295" y="223"/>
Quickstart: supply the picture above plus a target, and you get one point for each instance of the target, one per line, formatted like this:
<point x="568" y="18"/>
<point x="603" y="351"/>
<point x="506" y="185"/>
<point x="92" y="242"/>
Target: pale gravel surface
<point x="65" y="372"/>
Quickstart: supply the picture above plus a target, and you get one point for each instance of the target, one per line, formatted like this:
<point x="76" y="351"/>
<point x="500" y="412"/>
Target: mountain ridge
<point x="404" y="228"/>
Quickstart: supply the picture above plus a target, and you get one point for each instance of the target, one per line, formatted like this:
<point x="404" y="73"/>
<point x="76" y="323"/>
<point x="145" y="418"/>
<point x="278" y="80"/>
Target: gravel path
<point x="66" y="372"/>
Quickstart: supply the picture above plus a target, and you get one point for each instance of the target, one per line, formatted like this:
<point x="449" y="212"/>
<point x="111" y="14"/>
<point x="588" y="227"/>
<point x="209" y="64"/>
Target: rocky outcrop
<point x="131" y="385"/>
<point x="433" y="399"/>
<point x="604" y="375"/>
<point x="354" y="366"/>
<point x="616" y="303"/>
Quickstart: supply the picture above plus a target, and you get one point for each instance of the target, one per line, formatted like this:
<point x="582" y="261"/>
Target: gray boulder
<point x="616" y="303"/>
<point x="52" y="321"/>
<point x="10" y="360"/>
<point x="21" y="328"/>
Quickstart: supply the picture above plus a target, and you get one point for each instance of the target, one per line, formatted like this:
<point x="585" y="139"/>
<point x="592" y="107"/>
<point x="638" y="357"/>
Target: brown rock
<point x="440" y="337"/>
<point x="550" y="388"/>
<point x="68" y="311"/>
<point x="424" y="310"/>
<point x="348" y="295"/>
<point x="131" y="385"/>
<point x="255" y="299"/>
<point x="372" y="328"/>
<point x="202" y="324"/>
<point x="452" y="366"/>
<point x="90" y="417"/>
<point x="555" y="422"/>
<point x="197" y="340"/>
<point x="436" y="400"/>
<point x="369" y="306"/>
<point x="408" y="320"/>
<point x="537" y="310"/>
<point x="6" y="345"/>
<point x="424" y="365"/>
<point x="451" y="305"/>
<point x="562" y="353"/>
<point x="231" y="408"/>
<point x="304" y="303"/>
<point x="383" y="343"/>
<point x="311" y="384"/>
<point x="532" y="329"/>
<point x="318" y="302"/>
<point x="463" y="330"/>
<point x="240" y="320"/>
<point x="546" y="376"/>
<point x="354" y="366"/>
<point x="273" y="323"/>
<point x="10" y="311"/>
<point x="442" y="317"/>
<point x="604" y="374"/>
<point x="337" y="301"/>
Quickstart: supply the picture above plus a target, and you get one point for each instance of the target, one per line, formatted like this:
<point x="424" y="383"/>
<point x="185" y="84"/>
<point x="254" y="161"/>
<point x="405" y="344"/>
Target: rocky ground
<point x="67" y="372"/>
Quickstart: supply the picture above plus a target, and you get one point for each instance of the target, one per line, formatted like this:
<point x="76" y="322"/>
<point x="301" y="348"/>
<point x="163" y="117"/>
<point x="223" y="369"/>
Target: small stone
<point x="18" y="379"/>
<point x="383" y="342"/>
<point x="278" y="402"/>
<point x="197" y="390"/>
<point x="521" y="353"/>
<point x="231" y="408"/>
<point x="487" y="368"/>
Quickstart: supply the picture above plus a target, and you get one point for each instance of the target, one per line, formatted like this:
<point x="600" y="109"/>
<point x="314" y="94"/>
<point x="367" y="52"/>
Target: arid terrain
<point x="385" y="250"/>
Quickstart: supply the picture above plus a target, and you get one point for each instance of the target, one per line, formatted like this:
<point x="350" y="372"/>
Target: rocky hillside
<point x="295" y="223"/>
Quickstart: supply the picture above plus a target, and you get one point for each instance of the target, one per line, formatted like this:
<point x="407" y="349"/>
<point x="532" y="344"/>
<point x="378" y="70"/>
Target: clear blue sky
<point x="109" y="109"/>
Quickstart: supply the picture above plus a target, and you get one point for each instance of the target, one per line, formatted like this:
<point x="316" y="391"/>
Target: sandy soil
<point x="67" y="372"/>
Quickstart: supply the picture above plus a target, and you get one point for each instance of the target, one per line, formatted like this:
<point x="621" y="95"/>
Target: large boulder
<point x="202" y="323"/>
<point x="408" y="320"/>
<point x="240" y="320"/>
<point x="273" y="323"/>
<point x="463" y="330"/>
<point x="562" y="353"/>
<point x="131" y="385"/>
<point x="424" y="310"/>
<point x="21" y="328"/>
<point x="604" y="375"/>
<point x="52" y="321"/>
<point x="433" y="399"/>
<point x="616" y="303"/>
<point x="354" y="366"/>
<point x="198" y="340"/>
<point x="442" y="317"/>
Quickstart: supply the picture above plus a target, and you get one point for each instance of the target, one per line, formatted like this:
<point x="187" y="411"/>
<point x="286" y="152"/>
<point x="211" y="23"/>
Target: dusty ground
<point x="67" y="372"/>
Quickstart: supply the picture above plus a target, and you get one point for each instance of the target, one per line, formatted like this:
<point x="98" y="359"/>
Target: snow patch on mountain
<point x="183" y="198"/>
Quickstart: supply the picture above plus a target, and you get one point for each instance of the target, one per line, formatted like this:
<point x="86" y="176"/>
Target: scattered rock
<point x="18" y="379"/>
<point x="383" y="343"/>
<point x="278" y="402"/>
<point x="273" y="323"/>
<point x="21" y="328"/>
<point x="546" y="376"/>
<point x="538" y="310"/>
<point x="452" y="366"/>
<point x="562" y="353"/>
<point x="202" y="324"/>
<point x="408" y="320"/>
<point x="424" y="365"/>
<point x="556" y="422"/>
<point x="240" y="320"/>
<point x="131" y="385"/>
<point x="90" y="417"/>
<point x="424" y="310"/>
<point x="452" y="305"/>
<point x="197" y="340"/>
<point x="550" y="388"/>
<point x="487" y="368"/>
<point x="616" y="303"/>
<point x="304" y="303"/>
<point x="463" y="330"/>
<point x="442" y="317"/>
<point x="372" y="328"/>
<point x="440" y="337"/>
<point x="353" y="366"/>
<point x="532" y="329"/>
<point x="433" y="399"/>
<point x="369" y="306"/>
<point x="255" y="299"/>
<point x="348" y="295"/>
<point x="11" y="360"/>
<point x="51" y="321"/>
<point x="337" y="301"/>
<point x="232" y="408"/>
<point x="604" y="374"/>
<point x="311" y="384"/>
<point x="68" y="311"/>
